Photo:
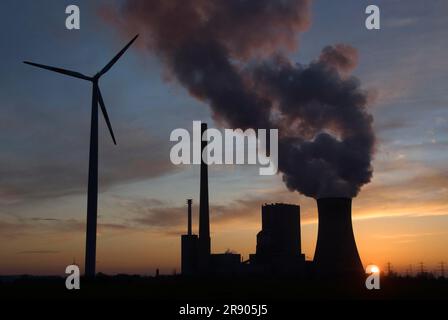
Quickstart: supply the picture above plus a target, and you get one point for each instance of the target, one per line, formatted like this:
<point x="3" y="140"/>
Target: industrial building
<point x="278" y="250"/>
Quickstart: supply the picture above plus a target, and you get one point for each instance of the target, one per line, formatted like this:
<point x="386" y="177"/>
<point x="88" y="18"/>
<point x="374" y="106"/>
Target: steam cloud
<point x="231" y="54"/>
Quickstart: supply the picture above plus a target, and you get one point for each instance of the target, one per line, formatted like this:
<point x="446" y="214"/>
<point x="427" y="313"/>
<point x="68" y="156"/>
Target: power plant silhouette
<point x="278" y="250"/>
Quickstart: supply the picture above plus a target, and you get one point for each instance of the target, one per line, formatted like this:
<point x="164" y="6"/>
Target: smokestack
<point x="204" y="220"/>
<point x="189" y="217"/>
<point x="336" y="253"/>
<point x="189" y="248"/>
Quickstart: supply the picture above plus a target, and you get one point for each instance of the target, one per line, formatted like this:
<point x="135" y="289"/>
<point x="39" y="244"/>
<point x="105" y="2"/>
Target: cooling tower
<point x="336" y="253"/>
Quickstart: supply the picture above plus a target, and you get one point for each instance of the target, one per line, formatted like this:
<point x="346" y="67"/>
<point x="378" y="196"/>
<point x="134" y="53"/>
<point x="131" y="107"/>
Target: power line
<point x="422" y="268"/>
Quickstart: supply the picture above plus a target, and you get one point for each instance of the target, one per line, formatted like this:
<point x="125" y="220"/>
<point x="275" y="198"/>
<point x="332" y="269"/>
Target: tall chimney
<point x="204" y="220"/>
<point x="336" y="253"/>
<point x="189" y="248"/>
<point x="189" y="217"/>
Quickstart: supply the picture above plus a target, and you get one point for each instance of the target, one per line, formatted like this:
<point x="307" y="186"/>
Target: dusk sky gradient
<point x="401" y="216"/>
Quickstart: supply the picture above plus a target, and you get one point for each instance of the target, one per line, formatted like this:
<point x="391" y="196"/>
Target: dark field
<point x="176" y="288"/>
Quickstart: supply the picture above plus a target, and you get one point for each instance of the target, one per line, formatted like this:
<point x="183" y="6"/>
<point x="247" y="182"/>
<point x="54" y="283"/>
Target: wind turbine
<point x="92" y="191"/>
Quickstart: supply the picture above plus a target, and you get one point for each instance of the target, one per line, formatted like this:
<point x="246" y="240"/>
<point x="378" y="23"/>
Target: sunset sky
<point x="401" y="216"/>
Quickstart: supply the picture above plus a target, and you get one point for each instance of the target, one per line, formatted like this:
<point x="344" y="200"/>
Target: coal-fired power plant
<point x="278" y="250"/>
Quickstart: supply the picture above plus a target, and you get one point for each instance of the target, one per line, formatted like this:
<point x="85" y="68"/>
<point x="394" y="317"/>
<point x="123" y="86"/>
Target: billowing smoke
<point x="232" y="54"/>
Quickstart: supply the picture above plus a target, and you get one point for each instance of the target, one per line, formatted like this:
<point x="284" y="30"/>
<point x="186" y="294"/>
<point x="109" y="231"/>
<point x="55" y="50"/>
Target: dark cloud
<point x="19" y="227"/>
<point x="142" y="214"/>
<point x="342" y="57"/>
<point x="44" y="219"/>
<point x="231" y="55"/>
<point x="327" y="139"/>
<point x="39" y="252"/>
<point x="170" y="219"/>
<point x="197" y="40"/>
<point x="243" y="28"/>
<point x="56" y="170"/>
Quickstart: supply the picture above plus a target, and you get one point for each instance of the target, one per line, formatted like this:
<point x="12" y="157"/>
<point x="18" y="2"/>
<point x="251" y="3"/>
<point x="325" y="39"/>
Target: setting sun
<point x="375" y="269"/>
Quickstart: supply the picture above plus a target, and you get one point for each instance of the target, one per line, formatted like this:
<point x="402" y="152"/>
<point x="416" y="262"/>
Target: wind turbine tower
<point x="92" y="191"/>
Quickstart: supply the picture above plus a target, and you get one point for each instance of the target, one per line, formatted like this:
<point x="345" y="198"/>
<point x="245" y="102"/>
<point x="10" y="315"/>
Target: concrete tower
<point x="336" y="253"/>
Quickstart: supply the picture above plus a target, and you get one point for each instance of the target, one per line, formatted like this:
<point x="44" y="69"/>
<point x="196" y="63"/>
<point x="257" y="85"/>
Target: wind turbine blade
<point x="106" y="116"/>
<point x="115" y="59"/>
<point x="59" y="70"/>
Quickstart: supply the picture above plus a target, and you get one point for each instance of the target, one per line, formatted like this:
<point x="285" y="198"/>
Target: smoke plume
<point x="232" y="54"/>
